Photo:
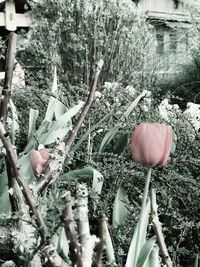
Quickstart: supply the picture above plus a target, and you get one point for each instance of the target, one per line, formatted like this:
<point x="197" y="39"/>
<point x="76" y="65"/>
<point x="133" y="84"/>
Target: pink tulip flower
<point x="151" y="143"/>
<point x="39" y="160"/>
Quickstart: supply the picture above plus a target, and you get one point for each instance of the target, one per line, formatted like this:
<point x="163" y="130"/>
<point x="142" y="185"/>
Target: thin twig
<point x="70" y="231"/>
<point x="49" y="174"/>
<point x="70" y="140"/>
<point x="12" y="160"/>
<point x="158" y="229"/>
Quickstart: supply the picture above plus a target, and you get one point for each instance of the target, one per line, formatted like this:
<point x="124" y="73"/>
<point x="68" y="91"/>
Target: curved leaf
<point x="109" y="246"/>
<point x="96" y="176"/>
<point x="122" y="143"/>
<point x="134" y="104"/>
<point x="153" y="260"/>
<point x="145" y="252"/>
<point x="33" y="115"/>
<point x="120" y="212"/>
<point x="196" y="263"/>
<point x="49" y="131"/>
<point x="108" y="137"/>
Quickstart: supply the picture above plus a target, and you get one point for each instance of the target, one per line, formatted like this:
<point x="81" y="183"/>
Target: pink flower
<point x="39" y="160"/>
<point x="151" y="143"/>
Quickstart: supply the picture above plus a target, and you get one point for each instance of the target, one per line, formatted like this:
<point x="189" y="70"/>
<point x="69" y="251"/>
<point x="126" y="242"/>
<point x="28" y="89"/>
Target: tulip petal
<point x="151" y="143"/>
<point x="44" y="153"/>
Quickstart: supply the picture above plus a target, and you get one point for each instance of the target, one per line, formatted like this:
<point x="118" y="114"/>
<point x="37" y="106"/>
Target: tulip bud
<point x="39" y="160"/>
<point x="151" y="143"/>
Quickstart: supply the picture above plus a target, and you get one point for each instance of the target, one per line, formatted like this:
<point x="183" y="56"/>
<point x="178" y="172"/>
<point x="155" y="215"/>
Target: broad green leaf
<point x="8" y="264"/>
<point x="145" y="252"/>
<point x="59" y="110"/>
<point x="196" y="263"/>
<point x="49" y="131"/>
<point x="84" y="172"/>
<point x="83" y="137"/>
<point x="120" y="211"/>
<point x="153" y="260"/>
<point x="97" y="177"/>
<point x="97" y="181"/>
<point x="61" y="243"/>
<point x="53" y="99"/>
<point x="134" y="104"/>
<point x="5" y="206"/>
<point x="122" y="143"/>
<point x="25" y="168"/>
<point x="63" y="246"/>
<point x="132" y="248"/>
<point x="33" y="115"/>
<point x="108" y="137"/>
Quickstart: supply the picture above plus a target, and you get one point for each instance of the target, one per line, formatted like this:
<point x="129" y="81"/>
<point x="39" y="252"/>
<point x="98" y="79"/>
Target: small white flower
<point x="98" y="94"/>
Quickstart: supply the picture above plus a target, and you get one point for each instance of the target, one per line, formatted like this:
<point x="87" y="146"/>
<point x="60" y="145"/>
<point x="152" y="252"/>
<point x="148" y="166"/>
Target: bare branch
<point x="70" y="140"/>
<point x="70" y="231"/>
<point x="10" y="57"/>
<point x="158" y="229"/>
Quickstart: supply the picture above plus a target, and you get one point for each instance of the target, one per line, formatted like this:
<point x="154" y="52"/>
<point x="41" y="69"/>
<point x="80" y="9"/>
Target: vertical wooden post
<point x="10" y="57"/>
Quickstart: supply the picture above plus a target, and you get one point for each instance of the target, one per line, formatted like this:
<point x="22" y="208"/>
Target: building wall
<point x="172" y="35"/>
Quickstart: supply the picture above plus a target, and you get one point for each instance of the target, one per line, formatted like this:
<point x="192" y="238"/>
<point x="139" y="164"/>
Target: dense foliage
<point x="72" y="35"/>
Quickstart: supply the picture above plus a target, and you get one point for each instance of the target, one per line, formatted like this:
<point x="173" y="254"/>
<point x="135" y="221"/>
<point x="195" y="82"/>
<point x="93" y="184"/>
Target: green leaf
<point x="97" y="177"/>
<point x="33" y="115"/>
<point x="196" y="263"/>
<point x="132" y="248"/>
<point x="121" y="144"/>
<point x="63" y="246"/>
<point x="49" y="131"/>
<point x="83" y="137"/>
<point x="25" y="167"/>
<point x="134" y="104"/>
<point x="120" y="211"/>
<point x="153" y="260"/>
<point x="8" y="264"/>
<point x="108" y="137"/>
<point x="61" y="243"/>
<point x="145" y="252"/>
<point x="109" y="247"/>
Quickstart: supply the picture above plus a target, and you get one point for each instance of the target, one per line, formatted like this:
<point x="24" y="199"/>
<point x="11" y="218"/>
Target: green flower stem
<point x="144" y="201"/>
